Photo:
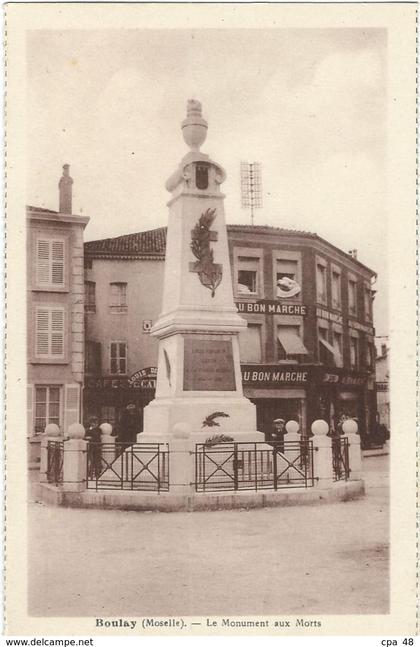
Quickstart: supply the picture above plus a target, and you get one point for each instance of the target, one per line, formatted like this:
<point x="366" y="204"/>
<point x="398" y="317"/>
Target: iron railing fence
<point x="123" y="466"/>
<point x="254" y="466"/>
<point x="340" y="459"/>
<point x="55" y="459"/>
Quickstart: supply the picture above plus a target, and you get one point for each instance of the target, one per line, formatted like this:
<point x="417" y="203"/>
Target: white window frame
<point x="118" y="308"/>
<point x="321" y="298"/>
<point x="336" y="270"/>
<point x="368" y="301"/>
<point x="50" y="355"/>
<point x="118" y="357"/>
<point x="338" y="330"/>
<point x="50" y="284"/>
<point x="354" y="335"/>
<point x="47" y="404"/>
<point x="286" y="255"/>
<point x="288" y="320"/>
<point x="351" y="278"/>
<point x="257" y="255"/>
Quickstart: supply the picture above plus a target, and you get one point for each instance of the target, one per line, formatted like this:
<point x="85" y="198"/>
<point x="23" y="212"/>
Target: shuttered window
<point x="47" y="407"/>
<point x="50" y="262"/>
<point x="118" y="358"/>
<point x="118" y="297"/>
<point x="49" y="332"/>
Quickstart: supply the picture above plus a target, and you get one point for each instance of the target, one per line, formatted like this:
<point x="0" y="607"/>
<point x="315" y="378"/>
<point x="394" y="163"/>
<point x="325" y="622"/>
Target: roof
<point x="152" y="243"/>
<point x="142" y="243"/>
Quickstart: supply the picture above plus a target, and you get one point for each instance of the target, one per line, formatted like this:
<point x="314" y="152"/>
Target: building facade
<point x="308" y="350"/>
<point x="382" y="386"/>
<point x="55" y="300"/>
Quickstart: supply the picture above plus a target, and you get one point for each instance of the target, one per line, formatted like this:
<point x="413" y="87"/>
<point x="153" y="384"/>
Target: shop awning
<point x="291" y="342"/>
<point x="338" y="358"/>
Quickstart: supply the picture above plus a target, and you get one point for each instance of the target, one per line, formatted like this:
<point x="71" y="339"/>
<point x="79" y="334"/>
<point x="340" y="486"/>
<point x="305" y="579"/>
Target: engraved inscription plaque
<point x="208" y="365"/>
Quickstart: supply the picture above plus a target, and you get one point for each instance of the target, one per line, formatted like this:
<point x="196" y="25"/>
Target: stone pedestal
<point x="199" y="378"/>
<point x="74" y="465"/>
<point x="52" y="433"/>
<point x="75" y="459"/>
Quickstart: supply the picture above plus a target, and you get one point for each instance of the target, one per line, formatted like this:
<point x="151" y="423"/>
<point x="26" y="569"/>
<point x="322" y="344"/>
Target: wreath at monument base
<point x="217" y="440"/>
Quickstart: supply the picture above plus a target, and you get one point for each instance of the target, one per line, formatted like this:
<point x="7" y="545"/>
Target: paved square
<point x="321" y="559"/>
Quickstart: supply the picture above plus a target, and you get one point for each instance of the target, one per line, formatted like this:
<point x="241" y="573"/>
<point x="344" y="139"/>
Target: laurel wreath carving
<point x="209" y="272"/>
<point x="216" y="440"/>
<point x="210" y="420"/>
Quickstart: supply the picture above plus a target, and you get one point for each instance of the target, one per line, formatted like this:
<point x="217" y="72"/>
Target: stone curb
<point x="166" y="502"/>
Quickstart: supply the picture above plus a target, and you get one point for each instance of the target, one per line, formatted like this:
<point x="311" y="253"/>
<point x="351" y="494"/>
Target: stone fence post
<point x="292" y="454"/>
<point x="182" y="467"/>
<point x="350" y="429"/>
<point x="323" y="469"/>
<point x="108" y="452"/>
<point x="75" y="459"/>
<point x="51" y="432"/>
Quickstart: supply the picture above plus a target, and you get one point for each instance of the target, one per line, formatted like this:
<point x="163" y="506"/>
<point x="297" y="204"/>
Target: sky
<point x="308" y="104"/>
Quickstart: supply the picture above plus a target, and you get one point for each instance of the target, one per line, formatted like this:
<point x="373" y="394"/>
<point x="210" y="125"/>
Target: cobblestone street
<point x="323" y="559"/>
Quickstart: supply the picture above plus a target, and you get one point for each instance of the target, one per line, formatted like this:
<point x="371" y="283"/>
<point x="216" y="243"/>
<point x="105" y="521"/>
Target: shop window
<point x="250" y="344"/>
<point x="93" y="358"/>
<point x="338" y="348"/>
<point x="368" y="304"/>
<point x="50" y="262"/>
<point x="49" y="332"/>
<point x="287" y="278"/>
<point x="321" y="283"/>
<point x="118" y="297"/>
<point x="118" y="358"/>
<point x="336" y="290"/>
<point x="354" y="352"/>
<point x="90" y="296"/>
<point x="352" y="297"/>
<point x="289" y="343"/>
<point x="47" y="407"/>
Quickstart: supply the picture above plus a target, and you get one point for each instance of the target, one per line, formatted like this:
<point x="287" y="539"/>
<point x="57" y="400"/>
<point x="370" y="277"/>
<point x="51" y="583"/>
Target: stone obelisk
<point x="199" y="377"/>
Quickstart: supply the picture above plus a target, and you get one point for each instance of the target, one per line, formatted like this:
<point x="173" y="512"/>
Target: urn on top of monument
<point x="194" y="127"/>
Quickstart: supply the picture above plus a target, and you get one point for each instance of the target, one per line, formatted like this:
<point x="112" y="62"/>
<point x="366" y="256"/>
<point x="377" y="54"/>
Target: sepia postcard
<point x="211" y="319"/>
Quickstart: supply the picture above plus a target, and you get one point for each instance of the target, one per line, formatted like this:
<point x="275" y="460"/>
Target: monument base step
<point x="168" y="502"/>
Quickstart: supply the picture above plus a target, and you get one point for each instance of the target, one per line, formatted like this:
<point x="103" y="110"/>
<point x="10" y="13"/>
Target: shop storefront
<point x="278" y="391"/>
<point x="306" y="393"/>
<point x="107" y="397"/>
<point x="294" y="392"/>
<point x="337" y="394"/>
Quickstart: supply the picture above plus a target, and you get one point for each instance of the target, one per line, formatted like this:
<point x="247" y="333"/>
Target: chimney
<point x="383" y="350"/>
<point x="353" y="253"/>
<point x="65" y="190"/>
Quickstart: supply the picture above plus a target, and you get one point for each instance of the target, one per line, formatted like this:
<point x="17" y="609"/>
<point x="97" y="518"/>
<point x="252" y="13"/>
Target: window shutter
<point x="42" y="261"/>
<point x="71" y="405"/>
<point x="57" y="333"/>
<point x="57" y="262"/>
<point x="29" y="410"/>
<point x="42" y="332"/>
